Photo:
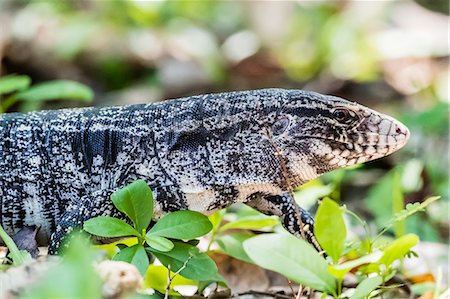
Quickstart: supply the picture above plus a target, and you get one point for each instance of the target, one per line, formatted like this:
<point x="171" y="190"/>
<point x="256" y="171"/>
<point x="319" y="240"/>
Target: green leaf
<point x="340" y="270"/>
<point x="159" y="243"/>
<point x="56" y="90"/>
<point x="136" y="201"/>
<point x="366" y="286"/>
<point x="135" y="255"/>
<point x="19" y="257"/>
<point x="233" y="246"/>
<point x="184" y="225"/>
<point x="216" y="219"/>
<point x="199" y="266"/>
<point x="410" y="209"/>
<point x="330" y="229"/>
<point x="106" y="226"/>
<point x="251" y="223"/>
<point x="13" y="83"/>
<point x="156" y="278"/>
<point x="293" y="258"/>
<point x="397" y="249"/>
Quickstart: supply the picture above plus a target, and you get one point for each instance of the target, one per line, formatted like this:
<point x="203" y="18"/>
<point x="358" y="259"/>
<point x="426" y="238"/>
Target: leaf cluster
<point x="171" y="240"/>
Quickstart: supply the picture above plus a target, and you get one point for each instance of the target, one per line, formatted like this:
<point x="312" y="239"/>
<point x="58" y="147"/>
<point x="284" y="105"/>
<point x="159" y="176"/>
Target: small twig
<point x="290" y="286"/>
<point x="169" y="278"/>
<point x="300" y="292"/>
<point x="273" y="295"/>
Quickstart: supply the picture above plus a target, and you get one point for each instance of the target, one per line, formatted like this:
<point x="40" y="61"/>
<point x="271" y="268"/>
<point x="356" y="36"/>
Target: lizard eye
<point x="343" y="115"/>
<point x="280" y="126"/>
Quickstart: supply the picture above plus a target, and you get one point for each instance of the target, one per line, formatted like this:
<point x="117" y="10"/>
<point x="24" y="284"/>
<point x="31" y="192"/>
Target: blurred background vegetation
<point x="389" y="55"/>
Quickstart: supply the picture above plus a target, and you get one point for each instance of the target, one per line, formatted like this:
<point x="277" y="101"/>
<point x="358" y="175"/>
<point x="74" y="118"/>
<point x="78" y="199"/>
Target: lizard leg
<point x="294" y="219"/>
<point x="76" y="214"/>
<point x="71" y="219"/>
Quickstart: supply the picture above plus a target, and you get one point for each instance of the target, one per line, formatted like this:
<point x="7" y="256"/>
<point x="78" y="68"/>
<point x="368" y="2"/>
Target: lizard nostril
<point x="398" y="130"/>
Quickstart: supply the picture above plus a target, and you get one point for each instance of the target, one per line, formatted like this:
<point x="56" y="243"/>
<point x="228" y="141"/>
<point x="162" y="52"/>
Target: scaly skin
<point x="203" y="153"/>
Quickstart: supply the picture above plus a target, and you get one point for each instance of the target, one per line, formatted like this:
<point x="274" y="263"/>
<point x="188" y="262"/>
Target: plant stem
<point x="17" y="257"/>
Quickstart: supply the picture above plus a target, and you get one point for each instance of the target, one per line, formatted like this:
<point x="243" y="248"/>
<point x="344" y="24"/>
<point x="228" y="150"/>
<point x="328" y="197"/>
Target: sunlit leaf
<point x="159" y="243"/>
<point x="183" y="225"/>
<point x="366" y="286"/>
<point x="156" y="278"/>
<point x="106" y="226"/>
<point x="339" y="270"/>
<point x="398" y="248"/>
<point x="330" y="229"/>
<point x="250" y="223"/>
<point x="292" y="257"/>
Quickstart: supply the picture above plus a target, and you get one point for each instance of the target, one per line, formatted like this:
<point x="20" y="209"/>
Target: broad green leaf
<point x="293" y="258"/>
<point x="106" y="226"/>
<point x="340" y="270"/>
<point x="183" y="225"/>
<point x="250" y="223"/>
<point x="397" y="249"/>
<point x="366" y="286"/>
<point x="199" y="266"/>
<point x="56" y="90"/>
<point x="136" y="201"/>
<point x="233" y="246"/>
<point x="156" y="278"/>
<point x="330" y="228"/>
<point x="159" y="243"/>
<point x="135" y="255"/>
<point x="13" y="83"/>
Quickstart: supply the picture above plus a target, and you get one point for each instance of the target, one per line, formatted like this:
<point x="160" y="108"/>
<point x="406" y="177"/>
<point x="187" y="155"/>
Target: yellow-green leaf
<point x="330" y="229"/>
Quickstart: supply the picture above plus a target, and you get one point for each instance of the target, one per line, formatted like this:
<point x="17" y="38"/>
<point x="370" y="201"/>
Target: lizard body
<point x="58" y="168"/>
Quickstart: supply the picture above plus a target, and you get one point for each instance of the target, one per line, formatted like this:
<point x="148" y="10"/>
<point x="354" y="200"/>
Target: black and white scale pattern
<point x="58" y="168"/>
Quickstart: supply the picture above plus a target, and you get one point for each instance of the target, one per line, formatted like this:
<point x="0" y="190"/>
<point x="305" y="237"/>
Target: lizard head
<point x="316" y="134"/>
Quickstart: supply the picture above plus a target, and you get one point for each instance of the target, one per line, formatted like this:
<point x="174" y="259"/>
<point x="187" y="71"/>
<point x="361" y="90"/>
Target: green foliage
<point x="366" y="286"/>
<point x="251" y="222"/>
<point x="233" y="245"/>
<point x="193" y="264"/>
<point x="17" y="88"/>
<point x="280" y="253"/>
<point x="174" y="225"/>
<point x="110" y="227"/>
<point x="330" y="228"/>
<point x="135" y="255"/>
<point x="12" y="83"/>
<point x="397" y="249"/>
<point x="374" y="262"/>
<point x="156" y="278"/>
<point x="159" y="243"/>
<point x="56" y="90"/>
<point x="136" y="202"/>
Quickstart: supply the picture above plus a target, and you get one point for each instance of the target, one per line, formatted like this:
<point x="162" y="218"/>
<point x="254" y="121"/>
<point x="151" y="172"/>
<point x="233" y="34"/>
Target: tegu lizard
<point x="203" y="153"/>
